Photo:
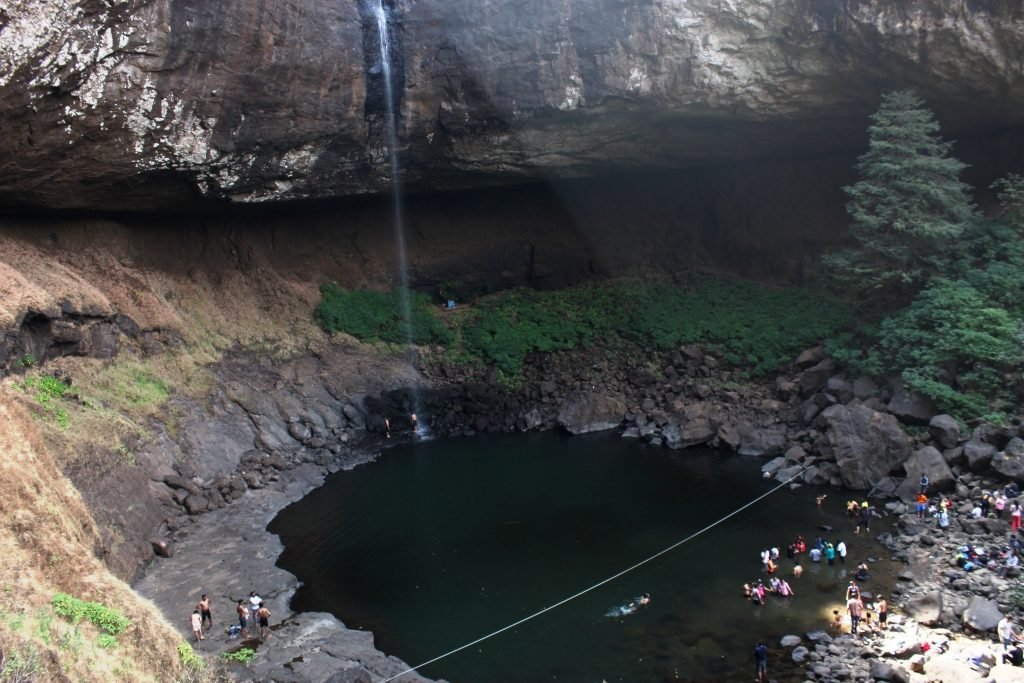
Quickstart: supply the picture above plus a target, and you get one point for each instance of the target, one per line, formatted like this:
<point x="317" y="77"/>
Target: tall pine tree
<point x="907" y="209"/>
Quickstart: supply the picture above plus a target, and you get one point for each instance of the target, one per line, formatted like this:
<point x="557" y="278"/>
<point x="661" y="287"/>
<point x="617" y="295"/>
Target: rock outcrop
<point x="866" y="444"/>
<point x="141" y="104"/>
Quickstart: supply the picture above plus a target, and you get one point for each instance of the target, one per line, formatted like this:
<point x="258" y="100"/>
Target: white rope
<point x="596" y="585"/>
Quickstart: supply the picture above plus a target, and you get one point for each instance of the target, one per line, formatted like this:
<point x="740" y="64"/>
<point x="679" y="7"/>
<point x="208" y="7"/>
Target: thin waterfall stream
<point x="381" y="14"/>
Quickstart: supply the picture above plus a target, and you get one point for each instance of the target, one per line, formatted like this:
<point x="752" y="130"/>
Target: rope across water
<point x="598" y="584"/>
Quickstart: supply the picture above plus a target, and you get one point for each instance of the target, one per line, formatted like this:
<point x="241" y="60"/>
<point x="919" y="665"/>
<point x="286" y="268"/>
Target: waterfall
<point x="381" y="14"/>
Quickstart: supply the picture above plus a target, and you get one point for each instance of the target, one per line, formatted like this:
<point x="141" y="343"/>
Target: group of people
<point x="253" y="611"/>
<point x="860" y="616"/>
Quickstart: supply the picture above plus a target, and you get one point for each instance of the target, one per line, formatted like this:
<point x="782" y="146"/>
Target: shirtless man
<point x="263" y="614"/>
<point x="204" y="610"/>
<point x="855" y="608"/>
<point x="243" y="617"/>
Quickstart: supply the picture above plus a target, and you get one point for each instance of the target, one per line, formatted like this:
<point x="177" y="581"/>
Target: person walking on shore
<point x="196" y="621"/>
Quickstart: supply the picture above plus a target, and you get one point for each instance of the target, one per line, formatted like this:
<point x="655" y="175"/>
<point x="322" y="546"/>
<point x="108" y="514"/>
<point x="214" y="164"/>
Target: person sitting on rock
<point x="862" y="572"/>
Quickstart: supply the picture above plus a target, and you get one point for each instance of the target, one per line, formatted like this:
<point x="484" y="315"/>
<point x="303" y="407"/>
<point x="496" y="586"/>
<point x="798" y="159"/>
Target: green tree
<point x="907" y="209"/>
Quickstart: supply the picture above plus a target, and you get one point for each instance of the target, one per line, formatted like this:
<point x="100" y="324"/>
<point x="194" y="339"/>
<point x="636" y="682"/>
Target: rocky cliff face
<point x="150" y="103"/>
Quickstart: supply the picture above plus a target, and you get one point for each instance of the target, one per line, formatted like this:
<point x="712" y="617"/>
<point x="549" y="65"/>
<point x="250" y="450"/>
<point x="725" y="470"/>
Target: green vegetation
<point x="188" y="657"/>
<point x="951" y="285"/>
<point x="378" y="315"/>
<point x="751" y="325"/>
<point x="908" y="206"/>
<point x="108" y="620"/>
<point x="48" y="391"/>
<point x="20" y="665"/>
<point x="242" y="655"/>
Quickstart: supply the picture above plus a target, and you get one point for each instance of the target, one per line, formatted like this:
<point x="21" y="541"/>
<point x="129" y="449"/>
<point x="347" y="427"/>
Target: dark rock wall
<point x="142" y="104"/>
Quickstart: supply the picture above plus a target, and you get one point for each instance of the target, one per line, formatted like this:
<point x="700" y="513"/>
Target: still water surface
<point x="439" y="543"/>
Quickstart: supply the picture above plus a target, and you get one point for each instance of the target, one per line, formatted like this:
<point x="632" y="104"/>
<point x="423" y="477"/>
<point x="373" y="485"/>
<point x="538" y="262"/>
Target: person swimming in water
<point x="629" y="607"/>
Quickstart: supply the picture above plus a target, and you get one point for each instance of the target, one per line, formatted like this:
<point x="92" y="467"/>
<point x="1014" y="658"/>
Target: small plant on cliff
<point x="48" y="392"/>
<point x="243" y="655"/>
<point x="372" y="316"/>
<point x="908" y="207"/>
<point x="102" y="617"/>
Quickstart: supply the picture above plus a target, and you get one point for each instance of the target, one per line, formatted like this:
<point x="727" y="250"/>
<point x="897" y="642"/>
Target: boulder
<point x="928" y="461"/>
<point x="926" y="608"/>
<point x="583" y="411"/>
<point x="811" y="356"/>
<point x="1015" y="447"/>
<point x="749" y="439"/>
<point x="164" y="547"/>
<point x="1009" y="465"/>
<point x="196" y="504"/>
<point x="815" y="377"/>
<point x="839" y="388"/>
<point x="883" y="671"/>
<point x="771" y="468"/>
<point x="789" y="641"/>
<point x="866" y="444"/>
<point x="864" y="388"/>
<point x="911" y="408"/>
<point x="978" y="454"/>
<point x="945" y="430"/>
<point x="982" y="614"/>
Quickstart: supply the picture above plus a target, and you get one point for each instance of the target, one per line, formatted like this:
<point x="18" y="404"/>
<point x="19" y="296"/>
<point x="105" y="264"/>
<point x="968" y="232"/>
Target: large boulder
<point x="866" y="444"/>
<point x="928" y="461"/>
<point x="816" y="377"/>
<point x="978" y="454"/>
<point x="749" y="439"/>
<point x="926" y="608"/>
<point x="945" y="430"/>
<point x="982" y="614"/>
<point x="911" y="408"/>
<point x="1009" y="464"/>
<point x="695" y="424"/>
<point x="584" y="411"/>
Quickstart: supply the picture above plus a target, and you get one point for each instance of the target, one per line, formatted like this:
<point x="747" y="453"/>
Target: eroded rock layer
<point x="142" y="104"/>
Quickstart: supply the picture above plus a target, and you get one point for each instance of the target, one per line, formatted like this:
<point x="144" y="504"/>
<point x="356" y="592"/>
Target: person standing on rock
<point x="761" y="661"/>
<point x="924" y="483"/>
<point x="243" y="618"/>
<point x="263" y="614"/>
<point x="922" y="505"/>
<point x="254" y="605"/>
<point x="204" y="610"/>
<point x="196" y="621"/>
<point x="1007" y="632"/>
<point x="1015" y="513"/>
<point x="883" y="612"/>
<point x="855" y="608"/>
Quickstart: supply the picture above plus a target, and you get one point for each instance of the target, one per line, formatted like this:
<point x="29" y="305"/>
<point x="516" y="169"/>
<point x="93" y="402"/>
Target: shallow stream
<point x="440" y="543"/>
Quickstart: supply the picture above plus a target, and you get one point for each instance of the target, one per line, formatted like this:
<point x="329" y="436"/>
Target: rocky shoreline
<point x="230" y="553"/>
<point x="304" y="420"/>
<point x="943" y="619"/>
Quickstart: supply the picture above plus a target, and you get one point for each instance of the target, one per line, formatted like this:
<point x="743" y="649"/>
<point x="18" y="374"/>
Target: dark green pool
<point x="440" y="543"/>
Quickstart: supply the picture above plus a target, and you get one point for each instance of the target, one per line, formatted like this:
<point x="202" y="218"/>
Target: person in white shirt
<point x="841" y="551"/>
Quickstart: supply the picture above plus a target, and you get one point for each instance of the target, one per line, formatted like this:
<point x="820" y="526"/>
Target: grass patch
<point x="753" y="326"/>
<point x="378" y="315"/>
<point x="102" y="617"/>
<point x="48" y="392"/>
<point x="242" y="655"/>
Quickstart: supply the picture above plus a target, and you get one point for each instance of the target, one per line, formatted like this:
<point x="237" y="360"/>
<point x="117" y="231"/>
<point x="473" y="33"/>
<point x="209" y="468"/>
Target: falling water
<point x="396" y="196"/>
